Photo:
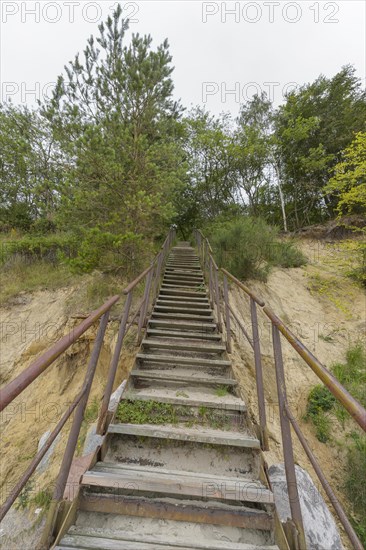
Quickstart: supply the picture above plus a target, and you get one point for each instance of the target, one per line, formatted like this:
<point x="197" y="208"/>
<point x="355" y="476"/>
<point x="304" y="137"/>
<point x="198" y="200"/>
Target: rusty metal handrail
<point x="354" y="408"/>
<point x="286" y="418"/>
<point x="329" y="492"/>
<point x="16" y="386"/>
<point x="247" y="290"/>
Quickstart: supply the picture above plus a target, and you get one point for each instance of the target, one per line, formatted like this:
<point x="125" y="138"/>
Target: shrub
<point x="355" y="483"/>
<point x="248" y="248"/>
<point x="320" y="401"/>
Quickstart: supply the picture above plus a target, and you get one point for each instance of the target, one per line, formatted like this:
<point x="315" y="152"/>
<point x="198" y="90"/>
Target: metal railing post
<point x="113" y="365"/>
<point x="144" y="307"/>
<point x="210" y="283"/>
<point x="217" y="294"/>
<point x="63" y="475"/>
<point x="157" y="276"/>
<point x="259" y="375"/>
<point x="227" y="315"/>
<point x="288" y="452"/>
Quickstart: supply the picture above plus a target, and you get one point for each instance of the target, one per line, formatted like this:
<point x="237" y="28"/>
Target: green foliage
<point x="36" y="248"/>
<point x="146" y="412"/>
<point x="222" y="391"/>
<point x="249" y="247"/>
<point x="43" y="499"/>
<point x="320" y="401"/>
<point x="349" y="180"/>
<point x="322" y="404"/>
<point x="24" y="499"/>
<point x="352" y="373"/>
<point x="355" y="483"/>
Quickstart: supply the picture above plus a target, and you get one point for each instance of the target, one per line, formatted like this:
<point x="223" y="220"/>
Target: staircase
<point x="180" y="467"/>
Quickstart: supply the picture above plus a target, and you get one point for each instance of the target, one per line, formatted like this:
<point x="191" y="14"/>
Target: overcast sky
<point x="223" y="52"/>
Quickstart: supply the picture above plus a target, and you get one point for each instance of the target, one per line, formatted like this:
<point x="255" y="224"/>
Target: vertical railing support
<point x="210" y="283"/>
<point x="217" y="296"/>
<point x="288" y="453"/>
<point x="144" y="306"/>
<point x="63" y="475"/>
<point x="259" y="376"/>
<point x="157" y="276"/>
<point x="227" y="315"/>
<point x="113" y="366"/>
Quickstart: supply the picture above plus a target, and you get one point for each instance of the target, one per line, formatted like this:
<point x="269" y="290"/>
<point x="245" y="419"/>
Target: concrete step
<point x="176" y="345"/>
<point x="121" y="479"/>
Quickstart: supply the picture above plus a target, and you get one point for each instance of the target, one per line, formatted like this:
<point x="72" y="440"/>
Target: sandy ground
<point x="337" y="314"/>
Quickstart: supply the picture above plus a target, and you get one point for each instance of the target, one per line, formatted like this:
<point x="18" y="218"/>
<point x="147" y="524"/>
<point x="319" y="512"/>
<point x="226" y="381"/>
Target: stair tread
<point x="174" y="359"/>
<point x="181" y="315"/>
<point x="165" y="302"/>
<point x="183" y="376"/>
<point x="108" y="539"/>
<point x="181" y="334"/>
<point x="195" y="397"/>
<point x="182" y="433"/>
<point x="183" y="344"/>
<point x="107" y="474"/>
<point x="179" y="309"/>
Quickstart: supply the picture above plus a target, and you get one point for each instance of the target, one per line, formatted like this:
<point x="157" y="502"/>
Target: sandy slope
<point x="337" y="314"/>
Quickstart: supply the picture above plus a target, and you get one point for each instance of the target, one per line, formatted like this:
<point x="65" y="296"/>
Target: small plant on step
<point x="222" y="391"/>
<point x="24" y="498"/>
<point x="146" y="412"/>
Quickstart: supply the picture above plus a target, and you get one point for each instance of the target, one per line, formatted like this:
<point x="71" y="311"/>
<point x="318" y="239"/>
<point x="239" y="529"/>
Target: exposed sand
<point x="339" y="315"/>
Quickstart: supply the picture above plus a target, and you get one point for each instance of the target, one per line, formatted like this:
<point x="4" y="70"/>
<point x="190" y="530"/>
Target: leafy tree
<point x="31" y="168"/>
<point x="348" y="184"/>
<point x="312" y="128"/>
<point x="210" y="187"/>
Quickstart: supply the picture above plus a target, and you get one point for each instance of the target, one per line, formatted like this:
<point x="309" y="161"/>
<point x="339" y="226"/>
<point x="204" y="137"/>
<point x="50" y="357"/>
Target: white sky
<point x="264" y="45"/>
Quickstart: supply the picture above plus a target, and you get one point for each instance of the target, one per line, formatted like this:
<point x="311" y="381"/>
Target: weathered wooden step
<point x="168" y="508"/>
<point x="181" y="334"/>
<point x="171" y="376"/>
<point x="188" y="396"/>
<point x="176" y="345"/>
<point x="187" y="361"/>
<point x="174" y="303"/>
<point x="183" y="272"/>
<point x="176" y="482"/>
<point x="181" y="265"/>
<point x="183" y="293"/>
<point x="199" y="435"/>
<point x="181" y="282"/>
<point x="131" y="531"/>
<point x="177" y="316"/>
<point x="183" y="325"/>
<point x="200" y="300"/>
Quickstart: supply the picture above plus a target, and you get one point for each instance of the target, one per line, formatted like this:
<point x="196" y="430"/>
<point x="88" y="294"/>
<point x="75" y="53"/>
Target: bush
<point x="36" y="248"/>
<point x="355" y="483"/>
<point x="249" y="247"/>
